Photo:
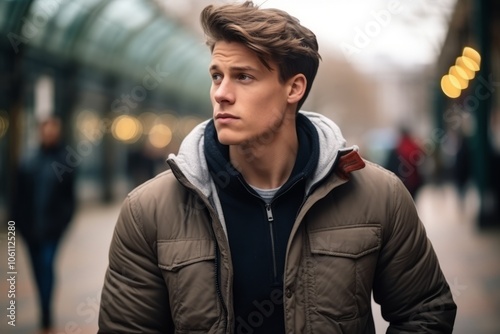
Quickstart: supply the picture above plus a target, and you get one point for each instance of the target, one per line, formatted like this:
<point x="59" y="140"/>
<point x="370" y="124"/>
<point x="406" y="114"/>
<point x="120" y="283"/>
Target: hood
<point x="191" y="158"/>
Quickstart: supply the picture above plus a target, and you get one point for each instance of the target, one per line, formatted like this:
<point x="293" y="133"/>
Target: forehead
<point x="236" y="54"/>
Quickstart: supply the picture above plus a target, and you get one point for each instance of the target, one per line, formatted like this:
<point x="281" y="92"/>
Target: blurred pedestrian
<point x="406" y="160"/>
<point x="43" y="207"/>
<point x="266" y="221"/>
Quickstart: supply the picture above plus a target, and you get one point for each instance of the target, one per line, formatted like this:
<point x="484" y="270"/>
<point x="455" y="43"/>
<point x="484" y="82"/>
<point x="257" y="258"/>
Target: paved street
<point x="468" y="257"/>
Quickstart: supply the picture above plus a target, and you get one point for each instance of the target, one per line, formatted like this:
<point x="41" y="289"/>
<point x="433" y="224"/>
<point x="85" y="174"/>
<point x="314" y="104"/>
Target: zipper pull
<point x="269" y="213"/>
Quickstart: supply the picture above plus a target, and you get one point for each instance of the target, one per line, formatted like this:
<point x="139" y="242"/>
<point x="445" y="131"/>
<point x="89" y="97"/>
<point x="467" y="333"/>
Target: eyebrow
<point x="235" y="68"/>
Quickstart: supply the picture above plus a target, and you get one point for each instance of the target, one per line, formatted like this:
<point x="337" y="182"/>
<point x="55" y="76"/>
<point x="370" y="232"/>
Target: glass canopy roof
<point x="119" y="36"/>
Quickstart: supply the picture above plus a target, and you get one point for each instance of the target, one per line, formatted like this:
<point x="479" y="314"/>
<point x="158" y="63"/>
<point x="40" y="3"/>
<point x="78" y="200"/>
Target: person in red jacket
<point x="406" y="161"/>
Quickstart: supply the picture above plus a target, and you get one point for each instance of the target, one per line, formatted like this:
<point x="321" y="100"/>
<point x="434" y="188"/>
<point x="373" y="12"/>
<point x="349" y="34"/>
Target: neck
<point x="267" y="164"/>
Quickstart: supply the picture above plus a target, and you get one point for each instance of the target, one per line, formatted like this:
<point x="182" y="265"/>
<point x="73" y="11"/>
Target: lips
<point x="225" y="119"/>
<point x="225" y="116"/>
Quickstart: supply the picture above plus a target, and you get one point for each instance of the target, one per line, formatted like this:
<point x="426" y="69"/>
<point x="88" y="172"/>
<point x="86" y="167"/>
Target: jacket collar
<point x="191" y="160"/>
<point x="227" y="177"/>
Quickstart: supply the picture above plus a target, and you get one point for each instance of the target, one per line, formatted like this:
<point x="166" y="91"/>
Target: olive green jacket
<point x="357" y="233"/>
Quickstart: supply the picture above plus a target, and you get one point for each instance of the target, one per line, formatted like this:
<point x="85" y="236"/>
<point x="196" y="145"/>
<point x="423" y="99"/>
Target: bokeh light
<point x="467" y="66"/>
<point x="126" y="128"/>
<point x="160" y="135"/>
<point x="473" y="56"/>
<point x="450" y="86"/>
<point x="460" y="75"/>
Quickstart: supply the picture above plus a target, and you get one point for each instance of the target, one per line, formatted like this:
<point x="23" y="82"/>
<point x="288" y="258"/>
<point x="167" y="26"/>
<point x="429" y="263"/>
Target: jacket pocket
<point x="189" y="271"/>
<point x="175" y="254"/>
<point x="343" y="262"/>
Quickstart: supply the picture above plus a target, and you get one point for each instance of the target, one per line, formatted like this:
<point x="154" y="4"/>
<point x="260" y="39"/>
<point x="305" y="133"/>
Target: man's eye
<point x="216" y="77"/>
<point x="244" y="77"/>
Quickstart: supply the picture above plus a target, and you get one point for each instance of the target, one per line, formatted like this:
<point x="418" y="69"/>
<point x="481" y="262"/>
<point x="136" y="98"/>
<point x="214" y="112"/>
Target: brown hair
<point x="271" y="33"/>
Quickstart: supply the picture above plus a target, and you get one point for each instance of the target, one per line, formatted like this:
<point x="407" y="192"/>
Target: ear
<point x="297" y="88"/>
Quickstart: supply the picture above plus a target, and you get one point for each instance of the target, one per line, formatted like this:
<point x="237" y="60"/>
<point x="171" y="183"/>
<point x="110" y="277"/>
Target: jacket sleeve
<point x="409" y="284"/>
<point x="134" y="297"/>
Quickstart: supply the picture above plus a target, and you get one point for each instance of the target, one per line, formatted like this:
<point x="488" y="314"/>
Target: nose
<point x="223" y="92"/>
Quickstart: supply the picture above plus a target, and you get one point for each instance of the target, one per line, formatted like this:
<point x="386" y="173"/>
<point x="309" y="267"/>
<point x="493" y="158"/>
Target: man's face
<point x="249" y="101"/>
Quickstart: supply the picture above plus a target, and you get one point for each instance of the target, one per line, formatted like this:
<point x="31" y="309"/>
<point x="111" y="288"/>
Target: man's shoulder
<point x="163" y="184"/>
<point x="376" y="182"/>
<point x="376" y="173"/>
<point x="154" y="200"/>
<point x="159" y="205"/>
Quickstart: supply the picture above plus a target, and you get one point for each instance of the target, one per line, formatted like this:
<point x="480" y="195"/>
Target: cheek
<point x="211" y="92"/>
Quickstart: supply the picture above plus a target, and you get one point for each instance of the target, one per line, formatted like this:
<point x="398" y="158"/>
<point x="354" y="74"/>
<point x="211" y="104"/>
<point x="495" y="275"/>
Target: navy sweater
<point x="258" y="232"/>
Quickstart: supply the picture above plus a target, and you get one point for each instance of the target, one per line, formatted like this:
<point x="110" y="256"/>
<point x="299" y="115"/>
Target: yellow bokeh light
<point x="126" y="128"/>
<point x="474" y="56"/>
<point x="459" y="74"/>
<point x="466" y="65"/>
<point x="470" y="64"/>
<point x="160" y="135"/>
<point x="450" y="86"/>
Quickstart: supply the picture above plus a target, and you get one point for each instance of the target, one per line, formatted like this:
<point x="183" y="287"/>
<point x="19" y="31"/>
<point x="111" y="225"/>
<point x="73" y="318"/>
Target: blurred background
<point x="413" y="84"/>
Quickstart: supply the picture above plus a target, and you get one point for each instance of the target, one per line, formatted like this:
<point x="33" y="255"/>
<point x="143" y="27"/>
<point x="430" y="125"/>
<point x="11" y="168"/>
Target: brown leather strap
<point x="348" y="163"/>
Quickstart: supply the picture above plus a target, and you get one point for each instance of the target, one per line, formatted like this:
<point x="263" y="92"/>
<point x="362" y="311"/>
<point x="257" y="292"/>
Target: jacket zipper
<point x="270" y="219"/>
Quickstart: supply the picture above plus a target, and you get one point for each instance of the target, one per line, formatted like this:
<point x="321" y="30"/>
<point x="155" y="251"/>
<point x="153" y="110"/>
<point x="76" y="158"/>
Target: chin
<point x="228" y="138"/>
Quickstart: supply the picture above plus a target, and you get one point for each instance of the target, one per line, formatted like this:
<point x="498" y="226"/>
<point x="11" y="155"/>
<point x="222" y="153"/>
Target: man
<point x="44" y="204"/>
<point x="266" y="222"/>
